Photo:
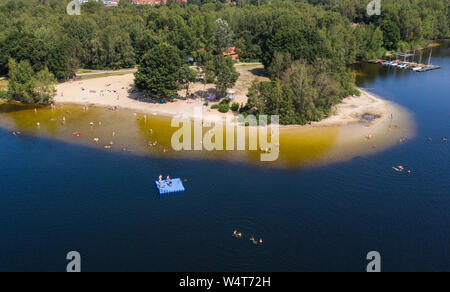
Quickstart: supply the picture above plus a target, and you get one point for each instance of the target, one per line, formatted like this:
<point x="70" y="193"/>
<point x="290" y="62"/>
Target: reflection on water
<point x="151" y="135"/>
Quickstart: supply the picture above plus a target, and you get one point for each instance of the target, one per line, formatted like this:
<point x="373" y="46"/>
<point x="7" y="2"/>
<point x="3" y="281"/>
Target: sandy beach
<point x="118" y="91"/>
<point x="358" y="126"/>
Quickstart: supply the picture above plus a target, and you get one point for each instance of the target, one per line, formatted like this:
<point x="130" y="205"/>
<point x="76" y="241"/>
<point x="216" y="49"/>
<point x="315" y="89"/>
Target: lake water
<point x="59" y="195"/>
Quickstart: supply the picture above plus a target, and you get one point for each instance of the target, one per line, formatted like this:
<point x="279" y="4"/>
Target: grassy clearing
<point x="102" y="75"/>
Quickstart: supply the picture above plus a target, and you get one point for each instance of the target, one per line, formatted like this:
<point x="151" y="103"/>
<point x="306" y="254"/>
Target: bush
<point x="245" y="109"/>
<point x="215" y="106"/>
<point x="3" y="94"/>
<point x="224" y="107"/>
<point x="226" y="100"/>
<point x="235" y="107"/>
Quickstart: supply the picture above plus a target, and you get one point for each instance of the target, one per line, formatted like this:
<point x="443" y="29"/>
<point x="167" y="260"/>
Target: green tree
<point x="224" y="35"/>
<point x="26" y="86"/>
<point x="21" y="81"/>
<point x="159" y="71"/>
<point x="225" y="74"/>
<point x="279" y="64"/>
<point x="391" y="34"/>
<point x="44" y="86"/>
<point x="187" y="76"/>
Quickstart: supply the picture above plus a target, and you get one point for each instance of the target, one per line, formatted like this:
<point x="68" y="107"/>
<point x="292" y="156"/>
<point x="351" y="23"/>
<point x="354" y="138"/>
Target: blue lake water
<point x="56" y="197"/>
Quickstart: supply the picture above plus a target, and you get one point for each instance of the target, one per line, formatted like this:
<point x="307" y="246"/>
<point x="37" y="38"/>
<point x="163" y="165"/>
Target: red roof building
<point x="231" y="52"/>
<point x="154" y="2"/>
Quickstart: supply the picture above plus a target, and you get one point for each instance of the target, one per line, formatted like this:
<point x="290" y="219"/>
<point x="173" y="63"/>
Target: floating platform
<point x="429" y="68"/>
<point x="406" y="65"/>
<point x="175" y="187"/>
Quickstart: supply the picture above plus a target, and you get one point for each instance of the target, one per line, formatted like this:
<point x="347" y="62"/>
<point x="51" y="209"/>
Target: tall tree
<point x="187" y="76"/>
<point x="225" y="74"/>
<point x="159" y="71"/>
<point x="26" y="86"/>
<point x="224" y="35"/>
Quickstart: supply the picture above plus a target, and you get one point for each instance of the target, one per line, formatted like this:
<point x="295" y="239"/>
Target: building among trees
<point x="231" y="52"/>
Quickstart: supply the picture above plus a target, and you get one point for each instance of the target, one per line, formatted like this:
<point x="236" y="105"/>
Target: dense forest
<point x="319" y="37"/>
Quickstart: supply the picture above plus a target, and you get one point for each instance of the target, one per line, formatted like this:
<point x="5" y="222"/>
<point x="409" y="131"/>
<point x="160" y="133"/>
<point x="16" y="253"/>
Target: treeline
<point x="402" y="25"/>
<point x="117" y="37"/>
<point x="320" y="37"/>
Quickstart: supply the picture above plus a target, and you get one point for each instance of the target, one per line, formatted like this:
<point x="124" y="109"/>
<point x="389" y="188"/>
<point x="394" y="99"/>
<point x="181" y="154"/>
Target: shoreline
<point x="338" y="138"/>
<point x="113" y="91"/>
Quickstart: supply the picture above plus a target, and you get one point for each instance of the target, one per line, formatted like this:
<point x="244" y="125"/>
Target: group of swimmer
<point x="161" y="182"/>
<point x="91" y="124"/>
<point x="400" y="169"/>
<point x="150" y="144"/>
<point x="444" y="139"/>
<point x="252" y="239"/>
